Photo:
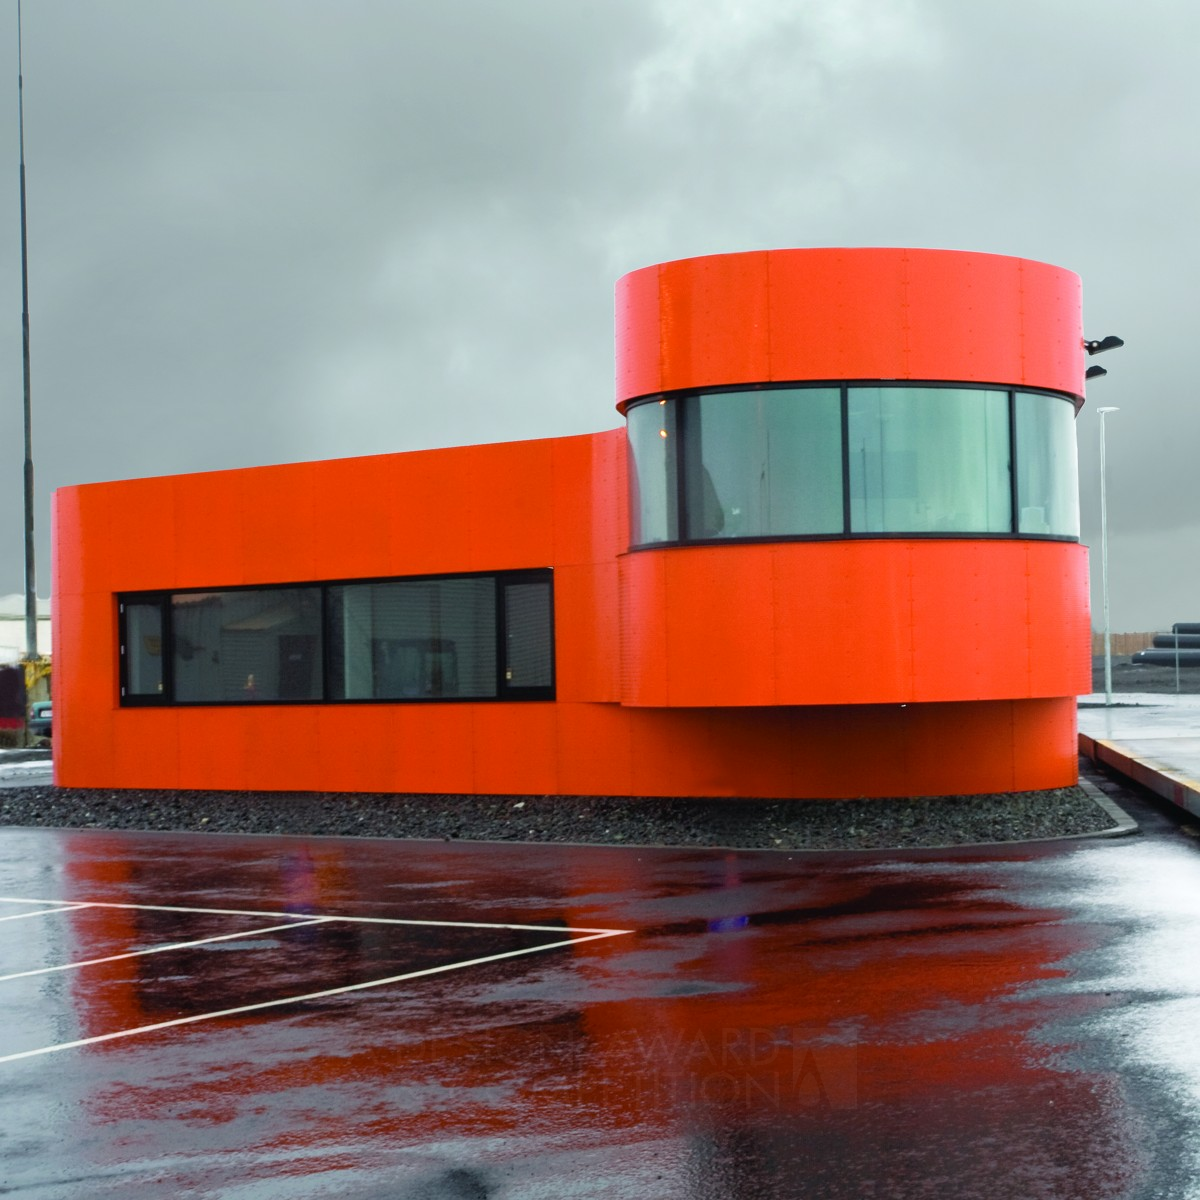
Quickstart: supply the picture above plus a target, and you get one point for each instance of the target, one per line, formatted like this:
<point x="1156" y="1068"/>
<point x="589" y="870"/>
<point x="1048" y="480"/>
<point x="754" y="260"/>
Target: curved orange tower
<point x="833" y="553"/>
<point x="854" y="499"/>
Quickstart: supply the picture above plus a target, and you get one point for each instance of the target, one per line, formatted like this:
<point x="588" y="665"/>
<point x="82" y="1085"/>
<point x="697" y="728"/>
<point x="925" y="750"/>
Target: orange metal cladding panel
<point x="140" y="531"/>
<point x="595" y="750"/>
<point x="876" y="313"/>
<point x="431" y="744"/>
<point x="67" y="522"/>
<point x="209" y="519"/>
<point x="354" y="750"/>
<point x="353" y="747"/>
<point x="714" y="752"/>
<point x="146" y="749"/>
<point x="644" y="608"/>
<point x="514" y="748"/>
<point x="1051" y="329"/>
<point x="842" y="622"/>
<point x="976" y="633"/>
<point x="863" y="750"/>
<point x="472" y="508"/>
<point x="282" y="740"/>
<point x="638" y="321"/>
<point x="351" y="516"/>
<point x="837" y="314"/>
<point x="714" y="318"/>
<point x="587" y="632"/>
<point x="849" y="622"/>
<point x="462" y="509"/>
<point x="1060" y="633"/>
<point x="1046" y="733"/>
<point x="216" y="745"/>
<point x="510" y="486"/>
<point x="439" y="748"/>
<point x="699" y="627"/>
<point x="85" y="688"/>
<point x="429" y="514"/>
<point x="278" y="505"/>
<point x="588" y="502"/>
<point x="720" y="622"/>
<point x="991" y="746"/>
<point x="963" y="320"/>
<point x="1019" y="745"/>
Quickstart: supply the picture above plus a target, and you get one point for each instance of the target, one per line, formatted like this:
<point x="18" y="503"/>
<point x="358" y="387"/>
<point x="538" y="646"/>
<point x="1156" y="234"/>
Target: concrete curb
<point x="1171" y="785"/>
<point x="1123" y="822"/>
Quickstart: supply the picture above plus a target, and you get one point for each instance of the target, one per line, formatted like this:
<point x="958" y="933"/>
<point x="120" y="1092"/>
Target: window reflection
<point x="652" y="484"/>
<point x="247" y="645"/>
<point x="143" y="650"/>
<point x="763" y="463"/>
<point x="426" y="639"/>
<point x="528" y="657"/>
<point x="453" y="637"/>
<point x="1047" y="465"/>
<point x="849" y="460"/>
<point x="929" y="460"/>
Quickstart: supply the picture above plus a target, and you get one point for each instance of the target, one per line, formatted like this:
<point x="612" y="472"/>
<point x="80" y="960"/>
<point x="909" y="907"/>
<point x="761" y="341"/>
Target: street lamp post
<point x="1104" y="562"/>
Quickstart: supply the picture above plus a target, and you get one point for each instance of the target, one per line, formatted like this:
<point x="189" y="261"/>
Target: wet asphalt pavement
<point x="569" y="1021"/>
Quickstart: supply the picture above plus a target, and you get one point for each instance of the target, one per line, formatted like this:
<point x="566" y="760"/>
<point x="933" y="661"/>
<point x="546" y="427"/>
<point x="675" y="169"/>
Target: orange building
<point x="834" y="552"/>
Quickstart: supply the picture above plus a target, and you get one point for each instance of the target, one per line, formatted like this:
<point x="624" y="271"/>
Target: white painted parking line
<point x="220" y="937"/>
<point x="42" y="912"/>
<point x="247" y="912"/>
<point x="322" y="995"/>
<point x="285" y="921"/>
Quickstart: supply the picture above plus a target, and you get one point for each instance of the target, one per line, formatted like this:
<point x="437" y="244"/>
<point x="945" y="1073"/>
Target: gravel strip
<point x="750" y="824"/>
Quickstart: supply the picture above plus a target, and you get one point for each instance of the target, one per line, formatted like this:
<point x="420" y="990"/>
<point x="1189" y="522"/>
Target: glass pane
<point x="929" y="460"/>
<point x="143" y="650"/>
<point x="246" y="646"/>
<point x="1047" y="465"/>
<point x="652" y="498"/>
<point x="529" y="656"/>
<point x="764" y="463"/>
<point x="414" y="640"/>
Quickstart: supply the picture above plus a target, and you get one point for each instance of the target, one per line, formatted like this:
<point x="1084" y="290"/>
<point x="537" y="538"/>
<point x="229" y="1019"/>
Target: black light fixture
<point x="1094" y="372"/>
<point x="1111" y="342"/>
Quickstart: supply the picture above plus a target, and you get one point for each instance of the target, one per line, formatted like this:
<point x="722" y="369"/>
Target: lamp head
<point x="1111" y="342"/>
<point x="1094" y="372"/>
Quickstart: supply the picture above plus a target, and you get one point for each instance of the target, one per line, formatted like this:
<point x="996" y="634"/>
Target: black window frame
<point x="506" y="692"/>
<point x="683" y="412"/>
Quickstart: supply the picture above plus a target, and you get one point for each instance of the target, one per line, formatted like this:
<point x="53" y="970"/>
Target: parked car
<point x="39" y="718"/>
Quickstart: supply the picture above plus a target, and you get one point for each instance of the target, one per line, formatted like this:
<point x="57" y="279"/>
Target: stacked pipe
<point x="1181" y="646"/>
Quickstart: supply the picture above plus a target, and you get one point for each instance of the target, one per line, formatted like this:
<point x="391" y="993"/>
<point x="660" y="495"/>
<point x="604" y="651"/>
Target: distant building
<point x="12" y="628"/>
<point x="833" y="552"/>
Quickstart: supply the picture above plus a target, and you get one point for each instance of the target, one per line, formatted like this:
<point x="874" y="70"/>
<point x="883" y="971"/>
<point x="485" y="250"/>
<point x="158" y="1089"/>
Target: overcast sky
<point x="274" y="230"/>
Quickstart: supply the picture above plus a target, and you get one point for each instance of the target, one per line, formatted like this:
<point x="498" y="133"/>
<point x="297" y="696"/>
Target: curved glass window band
<point x="1047" y="466"/>
<point x="762" y="464"/>
<point x="848" y="461"/>
<point x="653" y="498"/>
<point x="929" y="460"/>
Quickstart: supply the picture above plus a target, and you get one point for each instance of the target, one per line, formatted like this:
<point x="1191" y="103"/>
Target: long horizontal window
<point x="460" y="637"/>
<point x="849" y="460"/>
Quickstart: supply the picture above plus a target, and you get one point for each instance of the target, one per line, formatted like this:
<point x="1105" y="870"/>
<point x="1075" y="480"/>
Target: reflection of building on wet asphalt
<point x="782" y="1025"/>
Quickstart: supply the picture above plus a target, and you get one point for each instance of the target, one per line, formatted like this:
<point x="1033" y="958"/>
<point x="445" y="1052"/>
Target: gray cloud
<point x="268" y="230"/>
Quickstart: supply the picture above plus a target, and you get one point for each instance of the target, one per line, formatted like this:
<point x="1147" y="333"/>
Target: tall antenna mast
<point x="31" y="646"/>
